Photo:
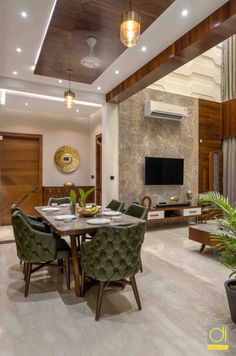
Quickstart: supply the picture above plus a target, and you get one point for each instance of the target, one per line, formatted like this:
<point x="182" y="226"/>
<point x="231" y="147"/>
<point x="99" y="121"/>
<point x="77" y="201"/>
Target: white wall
<point x="56" y="132"/>
<point x="200" y="78"/>
<point x="95" y="128"/>
<point x="110" y="152"/>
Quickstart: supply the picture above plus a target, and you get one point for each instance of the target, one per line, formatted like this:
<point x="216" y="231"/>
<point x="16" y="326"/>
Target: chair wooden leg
<point x="82" y="282"/>
<point x="60" y="264"/>
<point x="135" y="290"/>
<point x="99" y="299"/>
<point x="24" y="267"/>
<point x="67" y="268"/>
<point x="27" y="278"/>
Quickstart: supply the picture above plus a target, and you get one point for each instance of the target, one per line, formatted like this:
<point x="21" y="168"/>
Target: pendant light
<point x="69" y="96"/>
<point x="130" y="28"/>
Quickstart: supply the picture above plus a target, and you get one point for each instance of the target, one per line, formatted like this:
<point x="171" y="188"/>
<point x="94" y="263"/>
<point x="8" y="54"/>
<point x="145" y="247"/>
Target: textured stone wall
<point x="140" y="137"/>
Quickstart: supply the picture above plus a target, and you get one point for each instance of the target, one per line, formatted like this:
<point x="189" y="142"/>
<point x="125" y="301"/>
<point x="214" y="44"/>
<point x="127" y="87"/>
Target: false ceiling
<point x="81" y="29"/>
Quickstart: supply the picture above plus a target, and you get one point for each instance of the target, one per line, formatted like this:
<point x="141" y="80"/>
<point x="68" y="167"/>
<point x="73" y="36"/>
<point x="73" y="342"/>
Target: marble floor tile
<point x="181" y="290"/>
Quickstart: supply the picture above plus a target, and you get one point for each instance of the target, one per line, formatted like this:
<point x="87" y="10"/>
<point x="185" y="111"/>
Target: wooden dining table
<point x="77" y="227"/>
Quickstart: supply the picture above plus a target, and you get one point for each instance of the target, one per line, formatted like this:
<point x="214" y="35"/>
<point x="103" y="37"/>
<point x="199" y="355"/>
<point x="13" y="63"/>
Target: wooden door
<point x="20" y="173"/>
<point x="99" y="169"/>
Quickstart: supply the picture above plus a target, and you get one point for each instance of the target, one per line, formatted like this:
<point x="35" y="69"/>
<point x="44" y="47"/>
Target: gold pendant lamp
<point x="130" y="28"/>
<point x="69" y="96"/>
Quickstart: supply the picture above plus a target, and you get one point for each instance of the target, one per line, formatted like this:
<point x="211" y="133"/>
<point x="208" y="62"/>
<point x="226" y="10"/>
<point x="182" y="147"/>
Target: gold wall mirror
<point x="67" y="159"/>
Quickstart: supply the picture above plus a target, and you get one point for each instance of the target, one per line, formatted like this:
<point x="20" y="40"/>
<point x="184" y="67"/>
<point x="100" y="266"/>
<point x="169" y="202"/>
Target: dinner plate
<point x="64" y="205"/>
<point x="107" y="209"/>
<point x="112" y="213"/>
<point x="50" y="209"/>
<point x="64" y="217"/>
<point x="98" y="221"/>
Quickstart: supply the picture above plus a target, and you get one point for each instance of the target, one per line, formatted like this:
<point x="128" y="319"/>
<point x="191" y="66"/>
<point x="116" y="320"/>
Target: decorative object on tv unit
<point x="146" y="201"/>
<point x="67" y="159"/>
<point x="83" y="196"/>
<point x="69" y="184"/>
<point x="174" y="198"/>
<point x="189" y="196"/>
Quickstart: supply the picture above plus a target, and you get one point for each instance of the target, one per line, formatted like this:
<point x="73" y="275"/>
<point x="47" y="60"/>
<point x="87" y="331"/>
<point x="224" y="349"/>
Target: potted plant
<point x="227" y="242"/>
<point x="73" y="201"/>
<point x="84" y="195"/>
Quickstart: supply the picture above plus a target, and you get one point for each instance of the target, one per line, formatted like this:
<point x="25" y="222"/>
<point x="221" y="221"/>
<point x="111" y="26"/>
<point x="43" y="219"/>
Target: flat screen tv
<point x="164" y="171"/>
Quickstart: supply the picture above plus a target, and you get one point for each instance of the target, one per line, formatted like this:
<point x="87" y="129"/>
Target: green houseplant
<point x="73" y="198"/>
<point x="84" y="195"/>
<point x="227" y="242"/>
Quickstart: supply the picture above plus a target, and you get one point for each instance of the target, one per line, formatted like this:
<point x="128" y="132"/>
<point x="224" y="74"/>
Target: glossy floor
<point x="182" y="294"/>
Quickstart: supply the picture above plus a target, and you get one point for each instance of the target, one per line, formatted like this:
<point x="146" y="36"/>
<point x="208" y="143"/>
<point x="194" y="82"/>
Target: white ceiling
<point x="28" y="34"/>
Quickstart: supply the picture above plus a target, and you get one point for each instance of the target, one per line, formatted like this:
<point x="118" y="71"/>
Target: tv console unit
<point x="174" y="212"/>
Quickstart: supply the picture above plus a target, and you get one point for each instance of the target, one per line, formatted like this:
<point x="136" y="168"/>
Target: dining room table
<point x="79" y="226"/>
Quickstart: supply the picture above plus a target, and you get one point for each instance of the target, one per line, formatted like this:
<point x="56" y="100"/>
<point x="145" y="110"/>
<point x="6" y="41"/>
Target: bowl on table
<point x="87" y="212"/>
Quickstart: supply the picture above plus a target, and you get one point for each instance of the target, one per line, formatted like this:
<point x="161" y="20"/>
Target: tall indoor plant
<point x="227" y="242"/>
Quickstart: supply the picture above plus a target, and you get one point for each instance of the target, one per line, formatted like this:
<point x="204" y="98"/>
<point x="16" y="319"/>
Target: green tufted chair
<point x="36" y="247"/>
<point x="113" y="255"/>
<point x="138" y="211"/>
<point x="116" y="205"/>
<point x="35" y="221"/>
<point x="65" y="200"/>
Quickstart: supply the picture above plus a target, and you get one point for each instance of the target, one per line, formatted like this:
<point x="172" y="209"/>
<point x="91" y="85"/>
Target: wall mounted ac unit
<point x="160" y="110"/>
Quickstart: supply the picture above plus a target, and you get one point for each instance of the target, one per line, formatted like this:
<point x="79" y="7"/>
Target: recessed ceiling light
<point x="185" y="13"/>
<point x="143" y="49"/>
<point x="117" y="71"/>
<point x="24" y="14"/>
<point x="77" y="110"/>
<point x="19" y="50"/>
<point x="60" y="81"/>
<point x="26" y="104"/>
<point x="99" y="88"/>
<point x="14" y="72"/>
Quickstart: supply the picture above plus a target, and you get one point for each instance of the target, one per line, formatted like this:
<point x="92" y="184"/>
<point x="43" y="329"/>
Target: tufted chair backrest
<point x="65" y="200"/>
<point x="114" y="252"/>
<point x="138" y="211"/>
<point x="32" y="245"/>
<point x="116" y="205"/>
<point x="34" y="224"/>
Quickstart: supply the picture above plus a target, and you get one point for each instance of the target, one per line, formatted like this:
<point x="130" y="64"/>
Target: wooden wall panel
<point x="210" y="126"/>
<point x="60" y="192"/>
<point x="229" y="118"/>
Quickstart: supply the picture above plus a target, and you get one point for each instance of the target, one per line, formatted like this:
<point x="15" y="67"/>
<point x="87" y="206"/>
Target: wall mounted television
<point x="164" y="171"/>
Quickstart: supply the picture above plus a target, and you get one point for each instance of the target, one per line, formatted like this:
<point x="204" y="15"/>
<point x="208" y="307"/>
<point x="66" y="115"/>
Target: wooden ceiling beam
<point x="217" y="27"/>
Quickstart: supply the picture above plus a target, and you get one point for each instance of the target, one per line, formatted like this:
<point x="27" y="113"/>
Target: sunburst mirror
<point x="67" y="159"/>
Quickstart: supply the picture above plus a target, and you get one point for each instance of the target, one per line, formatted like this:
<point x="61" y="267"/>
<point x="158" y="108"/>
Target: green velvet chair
<point x="34" y="221"/>
<point x="137" y="211"/>
<point x="113" y="255"/>
<point x="116" y="205"/>
<point x="36" y="247"/>
<point x="59" y="201"/>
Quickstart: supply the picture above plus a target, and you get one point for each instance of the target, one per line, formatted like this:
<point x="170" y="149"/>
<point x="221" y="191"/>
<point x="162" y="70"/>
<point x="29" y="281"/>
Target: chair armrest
<point x="39" y="226"/>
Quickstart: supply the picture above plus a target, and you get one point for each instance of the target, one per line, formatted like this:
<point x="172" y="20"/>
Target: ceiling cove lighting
<point x="69" y="95"/>
<point x="2" y="97"/>
<point x="130" y="28"/>
<point x="48" y="97"/>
